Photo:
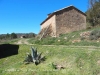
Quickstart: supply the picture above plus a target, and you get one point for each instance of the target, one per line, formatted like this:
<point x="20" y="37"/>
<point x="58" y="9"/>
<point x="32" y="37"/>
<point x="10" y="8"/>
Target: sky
<point x="25" y="16"/>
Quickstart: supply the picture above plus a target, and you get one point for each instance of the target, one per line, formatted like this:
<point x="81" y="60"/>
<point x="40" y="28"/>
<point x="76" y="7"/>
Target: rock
<point x="85" y="35"/>
<point x="74" y="41"/>
<point x="58" y="40"/>
<point x="65" y="38"/>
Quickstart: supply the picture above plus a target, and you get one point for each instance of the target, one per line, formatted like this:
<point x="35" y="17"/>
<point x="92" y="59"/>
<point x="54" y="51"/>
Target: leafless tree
<point x="92" y="2"/>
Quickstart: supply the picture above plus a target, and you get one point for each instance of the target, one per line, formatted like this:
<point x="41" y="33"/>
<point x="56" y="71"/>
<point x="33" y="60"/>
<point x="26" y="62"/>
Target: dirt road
<point x="22" y="41"/>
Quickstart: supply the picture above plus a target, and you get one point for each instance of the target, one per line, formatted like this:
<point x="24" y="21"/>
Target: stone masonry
<point x="63" y="21"/>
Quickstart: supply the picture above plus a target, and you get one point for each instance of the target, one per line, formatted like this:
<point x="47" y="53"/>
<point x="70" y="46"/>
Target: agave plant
<point x="28" y="59"/>
<point x="34" y="57"/>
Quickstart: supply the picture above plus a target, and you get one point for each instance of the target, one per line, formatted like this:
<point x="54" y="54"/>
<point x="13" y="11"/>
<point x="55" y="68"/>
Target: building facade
<point x="63" y="21"/>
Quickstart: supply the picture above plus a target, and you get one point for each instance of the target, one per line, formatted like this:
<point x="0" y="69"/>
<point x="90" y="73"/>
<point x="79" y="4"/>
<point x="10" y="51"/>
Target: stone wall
<point x="47" y="31"/>
<point x="51" y="21"/>
<point x="69" y="20"/>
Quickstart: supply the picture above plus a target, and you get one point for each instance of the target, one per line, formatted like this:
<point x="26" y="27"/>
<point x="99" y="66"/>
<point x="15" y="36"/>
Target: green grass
<point x="70" y="37"/>
<point x="78" y="60"/>
<point x="10" y="41"/>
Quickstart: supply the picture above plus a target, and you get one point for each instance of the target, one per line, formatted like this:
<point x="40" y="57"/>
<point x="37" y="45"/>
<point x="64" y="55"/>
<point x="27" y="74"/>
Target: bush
<point x="94" y="35"/>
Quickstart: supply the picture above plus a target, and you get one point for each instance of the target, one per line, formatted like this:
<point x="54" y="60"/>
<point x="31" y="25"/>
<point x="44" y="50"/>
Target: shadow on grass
<point x="8" y="50"/>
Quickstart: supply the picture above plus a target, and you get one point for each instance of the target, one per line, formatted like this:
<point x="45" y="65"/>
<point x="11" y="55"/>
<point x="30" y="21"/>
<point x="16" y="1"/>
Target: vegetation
<point x="65" y="55"/>
<point x="13" y="35"/>
<point x="93" y="16"/>
<point x="95" y="35"/>
<point x="34" y="57"/>
<point x="72" y="38"/>
<point x="16" y="35"/>
<point x="77" y="61"/>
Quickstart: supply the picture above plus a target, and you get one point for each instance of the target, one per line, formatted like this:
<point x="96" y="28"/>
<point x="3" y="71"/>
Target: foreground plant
<point x="34" y="57"/>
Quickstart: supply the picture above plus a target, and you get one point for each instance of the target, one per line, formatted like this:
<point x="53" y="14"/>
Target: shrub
<point x="94" y="35"/>
<point x="34" y="57"/>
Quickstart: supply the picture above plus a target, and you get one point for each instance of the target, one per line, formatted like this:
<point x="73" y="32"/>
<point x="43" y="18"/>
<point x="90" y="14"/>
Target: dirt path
<point x="22" y="41"/>
<point x="25" y="41"/>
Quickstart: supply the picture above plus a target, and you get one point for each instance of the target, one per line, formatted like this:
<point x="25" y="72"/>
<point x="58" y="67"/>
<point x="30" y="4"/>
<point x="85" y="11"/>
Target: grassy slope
<point x="70" y="37"/>
<point x="78" y="61"/>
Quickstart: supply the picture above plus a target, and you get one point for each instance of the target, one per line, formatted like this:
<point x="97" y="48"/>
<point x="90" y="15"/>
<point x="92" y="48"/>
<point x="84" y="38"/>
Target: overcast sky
<point x="24" y="16"/>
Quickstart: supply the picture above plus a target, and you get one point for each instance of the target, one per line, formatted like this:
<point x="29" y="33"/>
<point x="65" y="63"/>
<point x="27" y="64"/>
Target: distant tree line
<point x="16" y="35"/>
<point x="93" y="13"/>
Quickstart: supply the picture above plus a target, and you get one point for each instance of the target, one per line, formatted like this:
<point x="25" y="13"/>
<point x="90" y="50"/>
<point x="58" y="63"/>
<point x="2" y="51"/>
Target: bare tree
<point x="92" y="2"/>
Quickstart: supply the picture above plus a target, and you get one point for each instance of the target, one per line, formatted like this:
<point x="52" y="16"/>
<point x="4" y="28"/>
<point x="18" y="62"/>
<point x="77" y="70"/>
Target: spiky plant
<point x="28" y="59"/>
<point x="34" y="57"/>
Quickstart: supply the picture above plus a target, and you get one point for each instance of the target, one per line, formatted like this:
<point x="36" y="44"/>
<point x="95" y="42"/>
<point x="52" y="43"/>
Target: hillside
<point x="88" y="37"/>
<point x="79" y="56"/>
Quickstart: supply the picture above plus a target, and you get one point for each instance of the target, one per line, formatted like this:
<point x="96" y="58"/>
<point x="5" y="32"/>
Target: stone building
<point x="63" y="21"/>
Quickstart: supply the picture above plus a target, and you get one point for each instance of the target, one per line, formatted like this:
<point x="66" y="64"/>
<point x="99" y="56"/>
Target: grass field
<point x="78" y="60"/>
